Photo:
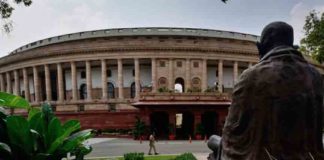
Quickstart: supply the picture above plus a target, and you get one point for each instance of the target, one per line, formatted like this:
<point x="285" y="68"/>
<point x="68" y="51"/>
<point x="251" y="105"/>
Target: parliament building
<point x="105" y="78"/>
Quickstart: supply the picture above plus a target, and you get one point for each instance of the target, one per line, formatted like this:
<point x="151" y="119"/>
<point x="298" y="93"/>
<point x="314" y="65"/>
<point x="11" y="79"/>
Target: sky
<point x="47" y="18"/>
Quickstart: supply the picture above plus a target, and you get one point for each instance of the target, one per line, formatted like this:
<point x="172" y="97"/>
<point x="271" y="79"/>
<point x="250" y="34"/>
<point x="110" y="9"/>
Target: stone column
<point x="204" y="75"/>
<point x="235" y="72"/>
<point x="9" y="89"/>
<point x="48" y="86"/>
<point x="171" y="78"/>
<point x="137" y="78"/>
<point x="2" y="83"/>
<point x="120" y="79"/>
<point x="188" y="75"/>
<point x="17" y="83"/>
<point x="26" y="84"/>
<point x="74" y="81"/>
<point x="250" y="64"/>
<point x="220" y="76"/>
<point x="154" y="81"/>
<point x="104" y="79"/>
<point x="89" y="80"/>
<point x="36" y="84"/>
<point x="60" y="82"/>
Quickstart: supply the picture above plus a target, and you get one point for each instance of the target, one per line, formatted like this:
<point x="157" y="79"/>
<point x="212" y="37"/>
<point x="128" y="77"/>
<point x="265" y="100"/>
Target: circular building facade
<point x="180" y="77"/>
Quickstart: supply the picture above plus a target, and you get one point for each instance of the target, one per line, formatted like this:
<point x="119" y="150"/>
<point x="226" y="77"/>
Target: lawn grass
<point x="158" y="157"/>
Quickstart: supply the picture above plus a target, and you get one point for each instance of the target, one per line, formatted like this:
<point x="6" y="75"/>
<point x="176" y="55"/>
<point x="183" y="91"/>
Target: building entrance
<point x="184" y="125"/>
<point x="159" y="124"/>
<point x="209" y="121"/>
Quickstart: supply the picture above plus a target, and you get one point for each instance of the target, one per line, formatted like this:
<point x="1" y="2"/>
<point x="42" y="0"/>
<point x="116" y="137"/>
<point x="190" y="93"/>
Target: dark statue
<point x="277" y="106"/>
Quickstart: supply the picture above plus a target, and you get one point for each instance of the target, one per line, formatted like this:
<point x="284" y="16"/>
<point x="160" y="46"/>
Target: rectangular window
<point x="179" y="64"/>
<point x="196" y="64"/>
<point x="133" y="71"/>
<point x="162" y="63"/>
<point x="108" y="73"/>
<point x="83" y="74"/>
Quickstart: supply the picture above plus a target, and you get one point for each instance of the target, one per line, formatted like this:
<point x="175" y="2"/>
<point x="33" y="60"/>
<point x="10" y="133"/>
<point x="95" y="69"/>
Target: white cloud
<point x="298" y="15"/>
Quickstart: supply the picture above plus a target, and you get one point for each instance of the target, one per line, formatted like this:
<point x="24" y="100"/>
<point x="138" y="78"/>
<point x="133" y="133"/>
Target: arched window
<point x="111" y="90"/>
<point x="179" y="85"/>
<point x="132" y="90"/>
<point x="83" y="91"/>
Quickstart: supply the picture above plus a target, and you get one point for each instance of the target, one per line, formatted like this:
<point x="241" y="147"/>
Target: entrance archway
<point x="184" y="125"/>
<point x="160" y="124"/>
<point x="209" y="121"/>
<point x="179" y="85"/>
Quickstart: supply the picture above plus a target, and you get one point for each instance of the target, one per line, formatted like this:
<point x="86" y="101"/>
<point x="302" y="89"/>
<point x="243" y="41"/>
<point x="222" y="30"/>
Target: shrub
<point x="186" y="156"/>
<point x="41" y="135"/>
<point x="134" y="156"/>
<point x="139" y="128"/>
<point x="164" y="90"/>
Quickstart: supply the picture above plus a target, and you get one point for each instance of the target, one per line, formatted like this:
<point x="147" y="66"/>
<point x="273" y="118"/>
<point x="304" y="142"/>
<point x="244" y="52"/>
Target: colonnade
<point x="6" y="79"/>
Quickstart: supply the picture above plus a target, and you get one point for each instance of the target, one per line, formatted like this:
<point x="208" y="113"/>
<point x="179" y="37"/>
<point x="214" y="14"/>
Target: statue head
<point x="273" y="35"/>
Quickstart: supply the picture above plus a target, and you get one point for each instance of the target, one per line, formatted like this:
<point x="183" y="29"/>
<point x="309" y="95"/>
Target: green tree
<point x="313" y="43"/>
<point x="6" y="10"/>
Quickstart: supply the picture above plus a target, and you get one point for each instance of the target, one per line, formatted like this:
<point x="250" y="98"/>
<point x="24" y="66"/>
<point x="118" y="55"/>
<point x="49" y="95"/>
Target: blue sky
<point x="46" y="18"/>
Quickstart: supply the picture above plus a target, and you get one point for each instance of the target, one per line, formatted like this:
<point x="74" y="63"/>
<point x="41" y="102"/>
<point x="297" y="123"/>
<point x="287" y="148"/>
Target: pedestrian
<point x="152" y="144"/>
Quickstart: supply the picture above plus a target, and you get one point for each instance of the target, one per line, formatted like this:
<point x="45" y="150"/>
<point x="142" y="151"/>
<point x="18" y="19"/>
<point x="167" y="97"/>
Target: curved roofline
<point x="139" y="31"/>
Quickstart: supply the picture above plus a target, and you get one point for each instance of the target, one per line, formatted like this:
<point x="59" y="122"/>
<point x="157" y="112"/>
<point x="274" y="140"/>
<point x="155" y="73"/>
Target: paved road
<point x="103" y="147"/>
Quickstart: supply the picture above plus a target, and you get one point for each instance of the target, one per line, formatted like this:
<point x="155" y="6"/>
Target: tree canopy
<point x="6" y="10"/>
<point x="313" y="43"/>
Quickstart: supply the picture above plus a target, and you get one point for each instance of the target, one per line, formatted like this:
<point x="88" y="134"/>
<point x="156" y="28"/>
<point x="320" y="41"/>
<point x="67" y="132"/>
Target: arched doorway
<point x="184" y="125"/>
<point x="160" y="124"/>
<point x="83" y="91"/>
<point x="132" y="90"/>
<point x="209" y="120"/>
<point x="111" y="90"/>
<point x="179" y="85"/>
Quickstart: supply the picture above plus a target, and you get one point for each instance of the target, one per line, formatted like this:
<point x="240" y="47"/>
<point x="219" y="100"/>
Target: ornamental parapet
<point x="188" y="97"/>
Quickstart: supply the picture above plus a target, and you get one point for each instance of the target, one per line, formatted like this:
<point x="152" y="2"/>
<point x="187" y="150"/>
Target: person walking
<point x="152" y="144"/>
